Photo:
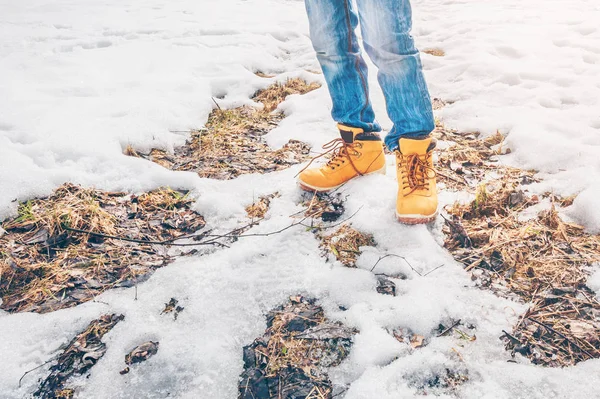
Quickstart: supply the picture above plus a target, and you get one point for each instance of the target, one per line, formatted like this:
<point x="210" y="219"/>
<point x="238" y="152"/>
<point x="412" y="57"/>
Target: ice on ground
<point x="82" y="80"/>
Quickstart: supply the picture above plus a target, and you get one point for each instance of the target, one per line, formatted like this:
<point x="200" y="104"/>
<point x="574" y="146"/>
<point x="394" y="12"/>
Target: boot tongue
<point x="419" y="146"/>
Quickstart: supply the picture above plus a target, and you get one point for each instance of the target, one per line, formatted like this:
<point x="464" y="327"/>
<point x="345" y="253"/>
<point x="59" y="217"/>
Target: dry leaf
<point x="417" y="341"/>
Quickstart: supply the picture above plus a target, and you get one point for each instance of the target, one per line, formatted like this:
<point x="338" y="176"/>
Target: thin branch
<point x="330" y="226"/>
<point x="212" y="241"/>
<point x="407" y="262"/>
<point x="134" y="240"/>
<point x="395" y="256"/>
<point x="216" y="103"/>
<point x="431" y="271"/>
<point x="447" y="330"/>
<point x="511" y="338"/>
<point x="563" y="336"/>
<point x="341" y="392"/>
<point x="35" y="368"/>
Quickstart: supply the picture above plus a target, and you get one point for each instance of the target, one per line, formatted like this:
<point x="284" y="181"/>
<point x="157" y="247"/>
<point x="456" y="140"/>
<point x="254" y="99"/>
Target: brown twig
<point x="396" y="256"/>
<point x="217" y="104"/>
<point x="127" y="239"/>
<point x="212" y="241"/>
<point x="447" y="330"/>
<point x="35" y="368"/>
<point x="563" y="336"/>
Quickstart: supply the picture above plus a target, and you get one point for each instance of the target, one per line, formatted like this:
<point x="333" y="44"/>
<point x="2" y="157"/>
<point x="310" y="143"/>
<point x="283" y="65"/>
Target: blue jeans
<point x="385" y="27"/>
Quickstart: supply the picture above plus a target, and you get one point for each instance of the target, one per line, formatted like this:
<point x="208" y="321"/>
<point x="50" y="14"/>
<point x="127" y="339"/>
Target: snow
<point x="585" y="208"/>
<point x="594" y="282"/>
<point x="82" y="80"/>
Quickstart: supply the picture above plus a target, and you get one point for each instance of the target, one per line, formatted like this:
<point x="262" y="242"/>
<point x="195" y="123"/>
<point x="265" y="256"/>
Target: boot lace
<point x="340" y="151"/>
<point x="417" y="171"/>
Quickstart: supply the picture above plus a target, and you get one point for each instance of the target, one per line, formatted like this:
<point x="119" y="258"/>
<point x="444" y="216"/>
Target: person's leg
<point x="332" y="25"/>
<point x="386" y="26"/>
<point x="359" y="150"/>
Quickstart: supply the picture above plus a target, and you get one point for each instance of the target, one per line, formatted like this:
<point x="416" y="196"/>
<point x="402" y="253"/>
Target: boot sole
<point x="313" y="189"/>
<point x="416" y="219"/>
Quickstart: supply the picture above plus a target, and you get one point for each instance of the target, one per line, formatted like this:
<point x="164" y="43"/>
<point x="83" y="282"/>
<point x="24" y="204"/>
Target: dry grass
<point x="436" y="52"/>
<point x="261" y="74"/>
<point x="45" y="266"/>
<point x="231" y="143"/>
<point x="298" y="347"/>
<point x="470" y="159"/>
<point x="64" y="394"/>
<point x="438" y="103"/>
<point x="275" y="94"/>
<point x="328" y="207"/>
<point x="259" y="209"/>
<point x="80" y="355"/>
<point x="283" y="348"/>
<point x="543" y="261"/>
<point x="345" y="243"/>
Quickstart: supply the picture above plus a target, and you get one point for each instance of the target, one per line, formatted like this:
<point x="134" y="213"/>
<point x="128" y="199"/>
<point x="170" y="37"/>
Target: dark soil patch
<point x="386" y="286"/>
<point x="442" y="382"/>
<point x="140" y="354"/>
<point x="80" y="355"/>
<point x="328" y="207"/>
<point x="291" y="359"/>
<point x="47" y="264"/>
<point x="173" y="307"/>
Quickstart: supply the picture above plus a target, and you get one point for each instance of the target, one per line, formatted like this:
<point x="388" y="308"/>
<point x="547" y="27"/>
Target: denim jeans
<point x="385" y="27"/>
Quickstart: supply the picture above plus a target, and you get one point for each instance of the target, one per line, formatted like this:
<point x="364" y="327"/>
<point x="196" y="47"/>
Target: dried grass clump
<point x="259" y="208"/>
<point x="345" y="244"/>
<point x="328" y="207"/>
<point x="78" y="210"/>
<point x="436" y="52"/>
<point x="438" y="103"/>
<point x="262" y="74"/>
<point x="292" y="357"/>
<point x="80" y="355"/>
<point x="49" y="262"/>
<point x="543" y="261"/>
<point x="231" y="143"/>
<point x="470" y="159"/>
<point x="275" y="94"/>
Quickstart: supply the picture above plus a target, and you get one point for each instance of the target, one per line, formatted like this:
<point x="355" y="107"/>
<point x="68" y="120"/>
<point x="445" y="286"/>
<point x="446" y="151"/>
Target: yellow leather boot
<point x="356" y="153"/>
<point x="417" y="194"/>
